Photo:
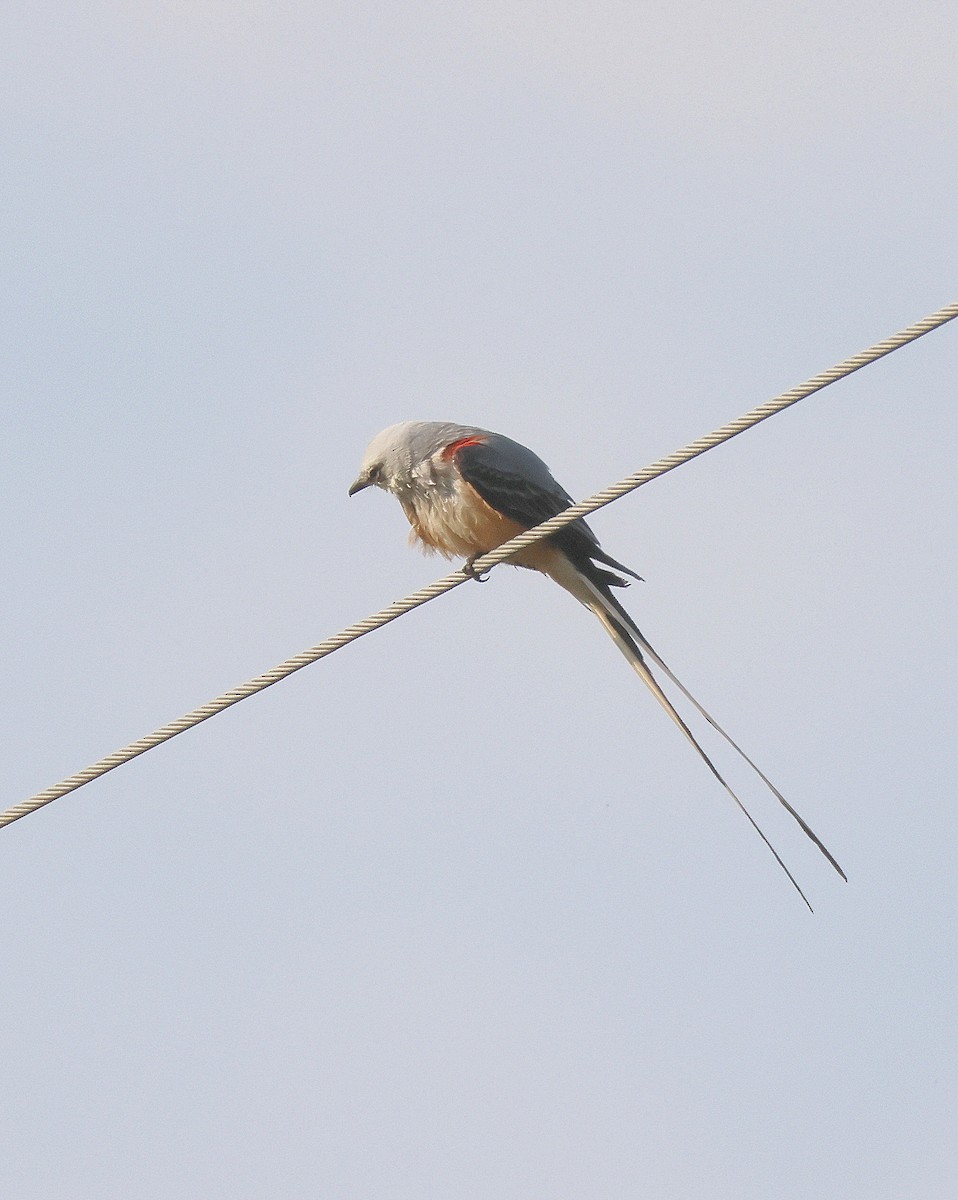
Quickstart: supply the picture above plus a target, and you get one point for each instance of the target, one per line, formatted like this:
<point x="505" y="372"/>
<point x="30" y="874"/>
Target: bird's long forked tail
<point x="797" y="816"/>
<point x="631" y="642"/>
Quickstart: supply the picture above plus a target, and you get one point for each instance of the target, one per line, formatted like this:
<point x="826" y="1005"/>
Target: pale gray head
<point x="393" y="455"/>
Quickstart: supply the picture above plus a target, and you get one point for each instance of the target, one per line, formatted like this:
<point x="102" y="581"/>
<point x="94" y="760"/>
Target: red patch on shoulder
<point x="454" y="447"/>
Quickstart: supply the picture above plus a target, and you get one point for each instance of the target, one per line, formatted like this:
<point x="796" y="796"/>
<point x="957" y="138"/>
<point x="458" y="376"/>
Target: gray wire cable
<point x="500" y="554"/>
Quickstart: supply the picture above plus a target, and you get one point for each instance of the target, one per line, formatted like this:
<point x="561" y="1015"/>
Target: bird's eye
<point x="375" y="473"/>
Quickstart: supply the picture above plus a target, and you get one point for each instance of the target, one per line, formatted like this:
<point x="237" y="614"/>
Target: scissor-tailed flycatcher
<point x="466" y="490"/>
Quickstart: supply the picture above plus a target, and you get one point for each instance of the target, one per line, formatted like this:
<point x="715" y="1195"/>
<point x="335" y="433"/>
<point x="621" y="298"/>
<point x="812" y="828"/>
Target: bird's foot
<point x="469" y="568"/>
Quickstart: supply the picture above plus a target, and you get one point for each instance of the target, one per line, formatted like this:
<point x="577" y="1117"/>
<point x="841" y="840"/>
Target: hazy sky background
<point x="457" y="913"/>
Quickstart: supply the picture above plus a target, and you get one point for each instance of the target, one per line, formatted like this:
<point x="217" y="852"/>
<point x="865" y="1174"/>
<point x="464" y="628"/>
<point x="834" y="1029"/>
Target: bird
<point x="466" y="490"/>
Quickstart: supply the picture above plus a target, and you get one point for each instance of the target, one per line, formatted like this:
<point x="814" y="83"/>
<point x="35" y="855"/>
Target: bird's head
<point x="392" y="456"/>
<point x="387" y="460"/>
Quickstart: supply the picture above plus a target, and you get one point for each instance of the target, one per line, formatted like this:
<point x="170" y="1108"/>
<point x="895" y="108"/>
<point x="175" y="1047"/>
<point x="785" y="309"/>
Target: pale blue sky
<point x="457" y="913"/>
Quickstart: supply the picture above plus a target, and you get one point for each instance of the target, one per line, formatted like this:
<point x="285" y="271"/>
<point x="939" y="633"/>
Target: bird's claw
<point x="469" y="568"/>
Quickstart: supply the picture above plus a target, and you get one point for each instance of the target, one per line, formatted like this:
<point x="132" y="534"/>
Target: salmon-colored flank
<point x="454" y="447"/>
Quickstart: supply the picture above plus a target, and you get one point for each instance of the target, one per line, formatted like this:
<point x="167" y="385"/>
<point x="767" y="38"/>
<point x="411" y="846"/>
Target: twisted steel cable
<point x="480" y="566"/>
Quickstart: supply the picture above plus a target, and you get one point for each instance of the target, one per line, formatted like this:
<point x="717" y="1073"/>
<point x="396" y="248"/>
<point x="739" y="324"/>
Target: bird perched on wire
<point x="467" y="490"/>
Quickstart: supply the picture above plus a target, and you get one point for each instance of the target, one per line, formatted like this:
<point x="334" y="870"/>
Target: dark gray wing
<point x="517" y="483"/>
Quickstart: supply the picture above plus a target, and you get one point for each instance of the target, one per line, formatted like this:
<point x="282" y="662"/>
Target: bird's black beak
<point x="362" y="482"/>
